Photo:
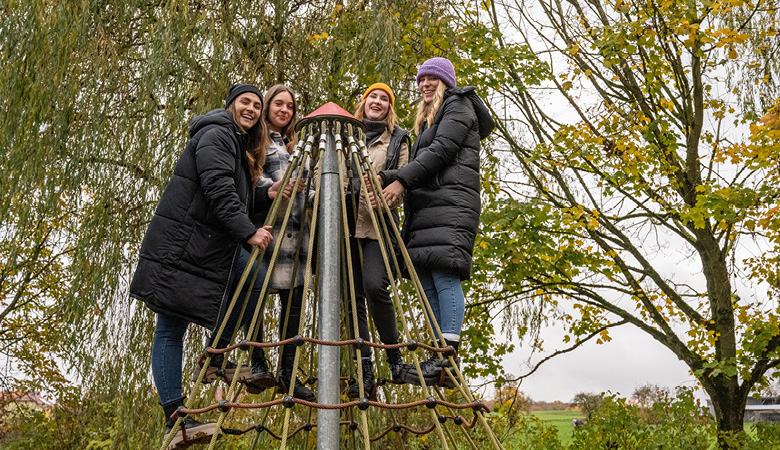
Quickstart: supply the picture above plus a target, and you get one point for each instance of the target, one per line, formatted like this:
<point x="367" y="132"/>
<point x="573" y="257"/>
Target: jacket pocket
<point x="205" y="246"/>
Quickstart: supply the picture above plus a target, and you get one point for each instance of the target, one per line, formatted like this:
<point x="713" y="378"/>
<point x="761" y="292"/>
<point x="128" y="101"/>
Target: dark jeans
<point x="371" y="284"/>
<point x="254" y="297"/>
<point x="166" y="357"/>
<point x="169" y="337"/>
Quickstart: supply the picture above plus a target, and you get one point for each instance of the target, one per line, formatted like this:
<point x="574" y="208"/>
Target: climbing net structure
<point x="331" y="145"/>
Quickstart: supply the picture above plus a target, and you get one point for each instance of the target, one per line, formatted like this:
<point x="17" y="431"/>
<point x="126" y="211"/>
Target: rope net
<point x="374" y="415"/>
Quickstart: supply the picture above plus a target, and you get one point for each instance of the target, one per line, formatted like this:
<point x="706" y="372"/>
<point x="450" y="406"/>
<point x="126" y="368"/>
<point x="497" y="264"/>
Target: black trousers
<point x="371" y="286"/>
<point x="287" y="355"/>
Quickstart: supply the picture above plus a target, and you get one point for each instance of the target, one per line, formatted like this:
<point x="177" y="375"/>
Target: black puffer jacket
<point x="191" y="245"/>
<point x="442" y="204"/>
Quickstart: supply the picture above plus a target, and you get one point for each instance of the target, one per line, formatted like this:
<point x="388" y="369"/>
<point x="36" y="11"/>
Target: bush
<point x="670" y="423"/>
<point x="527" y="432"/>
<point x="767" y="435"/>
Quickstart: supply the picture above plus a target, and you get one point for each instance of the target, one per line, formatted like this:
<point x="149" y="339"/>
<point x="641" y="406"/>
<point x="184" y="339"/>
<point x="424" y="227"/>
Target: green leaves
<point x="97" y="100"/>
<point x="646" y="193"/>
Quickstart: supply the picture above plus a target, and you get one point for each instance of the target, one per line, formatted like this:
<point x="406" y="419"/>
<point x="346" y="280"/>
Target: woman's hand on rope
<point x="372" y="201"/>
<point x="273" y="191"/>
<point x="393" y="192"/>
<point x="368" y="182"/>
<point x="301" y="186"/>
<point x="288" y="190"/>
<point x="262" y="237"/>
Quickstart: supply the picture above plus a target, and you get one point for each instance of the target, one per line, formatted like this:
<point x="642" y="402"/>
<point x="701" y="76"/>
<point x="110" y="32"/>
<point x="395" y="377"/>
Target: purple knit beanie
<point x="439" y="67"/>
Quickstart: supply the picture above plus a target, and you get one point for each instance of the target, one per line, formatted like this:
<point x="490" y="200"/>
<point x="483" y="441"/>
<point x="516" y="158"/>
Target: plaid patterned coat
<point x="276" y="162"/>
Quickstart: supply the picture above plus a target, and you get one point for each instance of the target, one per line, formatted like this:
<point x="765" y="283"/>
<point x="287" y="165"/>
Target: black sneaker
<point x="214" y="369"/>
<point x="431" y="371"/>
<point x="191" y="432"/>
<point x="446" y="382"/>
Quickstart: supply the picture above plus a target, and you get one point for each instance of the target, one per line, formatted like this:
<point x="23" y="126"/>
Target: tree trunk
<point x="728" y="401"/>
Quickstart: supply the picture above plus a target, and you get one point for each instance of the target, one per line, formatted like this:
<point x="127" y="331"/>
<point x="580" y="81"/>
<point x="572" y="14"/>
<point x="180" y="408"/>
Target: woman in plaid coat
<point x="280" y="115"/>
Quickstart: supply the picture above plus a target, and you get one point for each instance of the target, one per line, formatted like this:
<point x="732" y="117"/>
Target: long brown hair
<point x="391" y="117"/>
<point x="427" y="111"/>
<point x="256" y="152"/>
<point x="288" y="131"/>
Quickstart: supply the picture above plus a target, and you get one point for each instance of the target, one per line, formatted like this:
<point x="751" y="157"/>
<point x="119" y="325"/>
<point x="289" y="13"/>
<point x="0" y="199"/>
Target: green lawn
<point x="562" y="420"/>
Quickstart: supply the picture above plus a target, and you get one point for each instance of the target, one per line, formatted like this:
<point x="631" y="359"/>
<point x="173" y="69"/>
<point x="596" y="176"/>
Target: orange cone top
<point x="330" y="109"/>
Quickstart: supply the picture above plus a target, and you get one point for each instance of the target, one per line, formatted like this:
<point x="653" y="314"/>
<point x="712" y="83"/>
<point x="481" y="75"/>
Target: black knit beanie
<point x="238" y="89"/>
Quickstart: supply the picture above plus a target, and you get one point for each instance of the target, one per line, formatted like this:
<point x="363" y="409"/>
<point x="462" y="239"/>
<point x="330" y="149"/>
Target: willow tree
<point x="640" y="190"/>
<point x="97" y="98"/>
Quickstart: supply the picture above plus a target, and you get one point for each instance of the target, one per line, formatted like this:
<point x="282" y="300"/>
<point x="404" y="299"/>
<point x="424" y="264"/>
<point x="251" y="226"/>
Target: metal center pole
<point x="330" y="294"/>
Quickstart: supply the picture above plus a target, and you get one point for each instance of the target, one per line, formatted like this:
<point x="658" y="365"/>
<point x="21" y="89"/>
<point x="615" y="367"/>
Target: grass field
<point x="562" y="420"/>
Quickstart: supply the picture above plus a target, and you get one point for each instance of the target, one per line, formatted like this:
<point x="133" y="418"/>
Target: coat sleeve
<point x="215" y="159"/>
<point x="457" y="120"/>
<point x="403" y="160"/>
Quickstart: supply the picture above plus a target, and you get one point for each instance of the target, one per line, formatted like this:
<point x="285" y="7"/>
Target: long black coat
<point x="442" y="205"/>
<point x="191" y="246"/>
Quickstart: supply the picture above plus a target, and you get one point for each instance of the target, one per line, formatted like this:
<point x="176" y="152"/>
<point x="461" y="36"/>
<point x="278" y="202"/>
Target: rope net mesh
<point x="374" y="416"/>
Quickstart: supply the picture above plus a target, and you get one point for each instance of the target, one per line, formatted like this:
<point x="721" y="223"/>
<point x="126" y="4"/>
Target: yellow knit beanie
<point x="383" y="87"/>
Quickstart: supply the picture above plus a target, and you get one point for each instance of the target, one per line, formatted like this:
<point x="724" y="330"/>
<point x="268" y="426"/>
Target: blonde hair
<point x="288" y="131"/>
<point x="391" y="117"/>
<point x="427" y="111"/>
<point x="258" y="142"/>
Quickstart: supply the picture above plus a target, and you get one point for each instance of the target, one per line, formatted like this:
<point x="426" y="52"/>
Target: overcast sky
<point x="630" y="360"/>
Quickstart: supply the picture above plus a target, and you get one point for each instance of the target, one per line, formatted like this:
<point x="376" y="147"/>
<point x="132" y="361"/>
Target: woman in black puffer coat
<point x="191" y="252"/>
<point x="442" y="205"/>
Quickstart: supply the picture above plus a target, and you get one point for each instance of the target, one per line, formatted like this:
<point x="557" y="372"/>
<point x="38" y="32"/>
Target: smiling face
<point x="428" y="85"/>
<point x="280" y="111"/>
<point x="377" y="105"/>
<point x="247" y="108"/>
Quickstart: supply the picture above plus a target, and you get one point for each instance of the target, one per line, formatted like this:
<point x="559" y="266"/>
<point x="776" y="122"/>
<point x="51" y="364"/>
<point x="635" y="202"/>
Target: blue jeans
<point x="169" y="337"/>
<point x="445" y="294"/>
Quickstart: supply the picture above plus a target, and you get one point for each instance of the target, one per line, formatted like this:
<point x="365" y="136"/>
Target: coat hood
<point x="486" y="124"/>
<point x="221" y="117"/>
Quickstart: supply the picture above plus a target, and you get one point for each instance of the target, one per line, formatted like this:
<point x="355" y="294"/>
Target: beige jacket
<point x="377" y="151"/>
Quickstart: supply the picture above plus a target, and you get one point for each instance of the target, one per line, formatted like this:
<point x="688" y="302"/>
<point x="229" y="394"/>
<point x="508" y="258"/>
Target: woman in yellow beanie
<point x="388" y="146"/>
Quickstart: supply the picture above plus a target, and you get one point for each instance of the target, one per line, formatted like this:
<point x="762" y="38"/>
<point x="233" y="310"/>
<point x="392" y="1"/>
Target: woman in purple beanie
<point x="442" y="204"/>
